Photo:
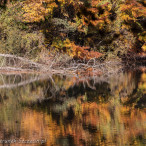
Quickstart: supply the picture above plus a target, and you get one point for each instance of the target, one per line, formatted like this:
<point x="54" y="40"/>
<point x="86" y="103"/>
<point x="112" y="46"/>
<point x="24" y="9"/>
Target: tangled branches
<point x="14" y="63"/>
<point x="57" y="65"/>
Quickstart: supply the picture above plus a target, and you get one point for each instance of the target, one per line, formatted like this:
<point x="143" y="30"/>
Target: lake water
<point x="73" y="110"/>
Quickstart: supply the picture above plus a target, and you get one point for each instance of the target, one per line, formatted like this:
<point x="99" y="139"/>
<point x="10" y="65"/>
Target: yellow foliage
<point x="144" y="47"/>
<point x="73" y="50"/>
<point x="36" y="10"/>
<point x="142" y="83"/>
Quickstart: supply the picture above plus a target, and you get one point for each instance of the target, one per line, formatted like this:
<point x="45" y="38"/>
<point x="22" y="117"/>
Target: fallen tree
<point x="10" y="63"/>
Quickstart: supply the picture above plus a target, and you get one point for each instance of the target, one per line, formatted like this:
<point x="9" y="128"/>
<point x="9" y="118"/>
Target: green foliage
<point x="67" y="26"/>
<point x="15" y="37"/>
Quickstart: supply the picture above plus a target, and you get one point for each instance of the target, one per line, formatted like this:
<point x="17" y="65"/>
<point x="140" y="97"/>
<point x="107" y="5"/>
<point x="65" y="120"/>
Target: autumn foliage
<point x="89" y="28"/>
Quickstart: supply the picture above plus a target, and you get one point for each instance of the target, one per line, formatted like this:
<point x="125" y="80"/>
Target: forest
<point x="72" y="72"/>
<point x="79" y="30"/>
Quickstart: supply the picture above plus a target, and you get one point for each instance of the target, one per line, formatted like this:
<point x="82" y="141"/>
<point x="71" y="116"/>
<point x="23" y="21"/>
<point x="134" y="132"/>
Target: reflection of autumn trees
<point x="137" y="98"/>
<point x="110" y="122"/>
<point x="79" y="114"/>
<point x="142" y="83"/>
<point x="91" y="124"/>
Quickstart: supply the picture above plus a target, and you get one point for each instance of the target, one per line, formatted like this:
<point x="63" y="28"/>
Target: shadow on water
<point x="74" y="111"/>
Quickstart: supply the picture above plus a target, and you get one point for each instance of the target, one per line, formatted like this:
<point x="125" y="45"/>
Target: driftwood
<point x="11" y="64"/>
<point x="14" y="63"/>
<point x="82" y="71"/>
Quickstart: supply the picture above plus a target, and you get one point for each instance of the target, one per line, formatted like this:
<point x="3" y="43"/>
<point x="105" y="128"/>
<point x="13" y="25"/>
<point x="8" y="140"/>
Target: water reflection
<point x="74" y="111"/>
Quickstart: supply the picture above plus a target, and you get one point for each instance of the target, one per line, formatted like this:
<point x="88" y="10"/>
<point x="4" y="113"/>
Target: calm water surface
<point x="68" y="111"/>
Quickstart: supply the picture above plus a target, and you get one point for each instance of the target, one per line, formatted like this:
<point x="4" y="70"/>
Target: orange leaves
<point x="79" y="52"/>
<point x="94" y="2"/>
<point x="36" y="10"/>
<point x="88" y="17"/>
<point x="100" y="10"/>
<point x="84" y="53"/>
<point x="131" y="10"/>
<point x="98" y="23"/>
<point x="75" y="51"/>
<point x="132" y="14"/>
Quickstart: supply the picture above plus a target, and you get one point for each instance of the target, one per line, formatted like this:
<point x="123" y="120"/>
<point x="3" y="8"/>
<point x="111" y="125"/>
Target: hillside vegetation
<point x="81" y="29"/>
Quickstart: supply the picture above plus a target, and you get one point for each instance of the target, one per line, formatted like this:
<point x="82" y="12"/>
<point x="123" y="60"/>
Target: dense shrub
<point x="112" y="28"/>
<point x="16" y="37"/>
